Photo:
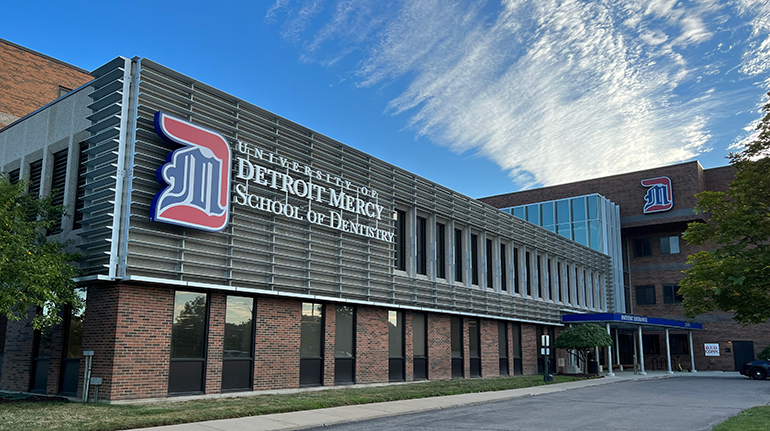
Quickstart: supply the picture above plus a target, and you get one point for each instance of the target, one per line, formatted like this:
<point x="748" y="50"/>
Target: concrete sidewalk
<point x="336" y="415"/>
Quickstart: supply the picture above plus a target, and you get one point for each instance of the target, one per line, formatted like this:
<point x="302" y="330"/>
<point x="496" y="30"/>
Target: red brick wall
<point x="529" y="349"/>
<point x="17" y="359"/>
<point x="408" y="348"/>
<point x="99" y="324"/>
<point x="466" y="348"/>
<point x="371" y="345"/>
<point x="490" y="349"/>
<point x="29" y="80"/>
<point x="142" y="342"/>
<point x="277" y="343"/>
<point x="439" y="347"/>
<point x="330" y="316"/>
<point x="215" y="347"/>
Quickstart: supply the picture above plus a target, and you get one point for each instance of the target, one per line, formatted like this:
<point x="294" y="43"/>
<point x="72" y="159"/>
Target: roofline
<point x="47" y="57"/>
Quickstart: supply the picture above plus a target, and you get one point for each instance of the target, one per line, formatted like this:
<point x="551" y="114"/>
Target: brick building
<point x="229" y="249"/>
<point x="653" y="257"/>
<point x="29" y="80"/>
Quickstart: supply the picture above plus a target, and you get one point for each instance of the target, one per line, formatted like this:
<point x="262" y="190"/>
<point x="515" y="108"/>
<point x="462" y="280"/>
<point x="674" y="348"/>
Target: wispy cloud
<point x="552" y="91"/>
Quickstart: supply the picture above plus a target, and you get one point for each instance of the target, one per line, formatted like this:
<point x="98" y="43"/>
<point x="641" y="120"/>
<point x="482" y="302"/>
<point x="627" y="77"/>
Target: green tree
<point x="35" y="271"/>
<point x="580" y="339"/>
<point x="734" y="275"/>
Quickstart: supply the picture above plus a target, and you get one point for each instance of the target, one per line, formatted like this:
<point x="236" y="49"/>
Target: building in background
<point x="29" y="80"/>
<point x="655" y="207"/>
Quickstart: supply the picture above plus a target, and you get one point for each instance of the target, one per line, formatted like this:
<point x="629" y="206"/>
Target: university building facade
<point x="227" y="249"/>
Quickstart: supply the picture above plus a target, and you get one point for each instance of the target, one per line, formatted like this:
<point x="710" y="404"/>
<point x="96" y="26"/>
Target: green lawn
<point x="755" y="418"/>
<point x="23" y="416"/>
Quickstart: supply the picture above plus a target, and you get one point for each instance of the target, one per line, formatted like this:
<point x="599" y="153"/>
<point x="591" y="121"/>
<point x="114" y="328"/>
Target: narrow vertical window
<point x="474" y="346"/>
<point x="58" y="183"/>
<point x="420" y="346"/>
<point x="237" y="361"/>
<point x="490" y="265"/>
<point x="396" y="368"/>
<point x="422" y="258"/>
<point x="540" y="277"/>
<point x="516" y="348"/>
<point x="558" y="281"/>
<point x="311" y="345"/>
<point x="577" y="287"/>
<point x="502" y="345"/>
<point x="344" y="345"/>
<point x="549" y="285"/>
<point x="528" y="274"/>
<point x="74" y="347"/>
<point x="516" y="269"/>
<point x="458" y="255"/>
<point x="440" y="250"/>
<point x="456" y="326"/>
<point x="188" y="343"/>
<point x="503" y="269"/>
<point x="568" y="285"/>
<point x="474" y="259"/>
<point x="400" y="245"/>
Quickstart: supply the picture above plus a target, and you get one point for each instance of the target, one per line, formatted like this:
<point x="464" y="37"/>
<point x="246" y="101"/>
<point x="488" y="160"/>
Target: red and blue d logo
<point x="196" y="177"/>
<point x="660" y="196"/>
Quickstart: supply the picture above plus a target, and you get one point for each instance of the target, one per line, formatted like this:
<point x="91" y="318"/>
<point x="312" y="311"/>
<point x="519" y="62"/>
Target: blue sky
<point x="484" y="97"/>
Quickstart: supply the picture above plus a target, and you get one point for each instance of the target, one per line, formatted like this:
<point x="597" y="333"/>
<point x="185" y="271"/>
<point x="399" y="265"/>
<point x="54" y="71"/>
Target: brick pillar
<point x="466" y="348"/>
<point x="215" y="347"/>
<point x="439" y="347"/>
<point x="99" y="334"/>
<point x="511" y="360"/>
<point x="529" y="349"/>
<point x="17" y="358"/>
<point x="408" y="347"/>
<point x="277" y="343"/>
<point x="141" y="342"/>
<point x="372" y="345"/>
<point x="330" y="332"/>
<point x="490" y="349"/>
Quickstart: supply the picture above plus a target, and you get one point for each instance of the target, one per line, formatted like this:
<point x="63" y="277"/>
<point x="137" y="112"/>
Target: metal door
<point x="743" y="351"/>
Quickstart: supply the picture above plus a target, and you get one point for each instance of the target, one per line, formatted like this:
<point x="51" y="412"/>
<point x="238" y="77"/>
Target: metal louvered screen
<point x="33" y="185"/>
<point x="14" y="176"/>
<point x="58" y="182"/>
<point x="80" y="194"/>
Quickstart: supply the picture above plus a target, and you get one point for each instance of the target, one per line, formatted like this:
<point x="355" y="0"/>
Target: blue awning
<point x="630" y="321"/>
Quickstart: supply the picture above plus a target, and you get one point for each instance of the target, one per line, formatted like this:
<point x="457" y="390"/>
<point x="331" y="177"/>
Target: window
<point x="422" y="259"/>
<point x="440" y="250"/>
<point x="503" y="269"/>
<point x="474" y="346"/>
<point x="474" y="259"/>
<point x="669" y="245"/>
<point x="651" y="344"/>
<point x="456" y="329"/>
<point x="557" y="281"/>
<point x="458" y="255"/>
<point x="311" y="345"/>
<point x="679" y="343"/>
<point x="540" y="277"/>
<point x="515" y="270"/>
<point x="58" y="183"/>
<point x="188" y="343"/>
<point x="237" y="364"/>
<point x="671" y="294"/>
<point x="399" y="218"/>
<point x="516" y="348"/>
<point x="396" y="367"/>
<point x="568" y="285"/>
<point x="73" y="351"/>
<point x="642" y="247"/>
<point x="502" y="346"/>
<point x="547" y="216"/>
<point x="550" y="280"/>
<point x="645" y="295"/>
<point x="490" y="264"/>
<point x="533" y="214"/>
<point x="344" y="345"/>
<point x="63" y="90"/>
<point x="420" y="346"/>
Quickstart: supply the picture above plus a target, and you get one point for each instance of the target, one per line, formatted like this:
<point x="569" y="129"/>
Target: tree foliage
<point x="734" y="275"/>
<point x="582" y="338"/>
<point x="35" y="271"/>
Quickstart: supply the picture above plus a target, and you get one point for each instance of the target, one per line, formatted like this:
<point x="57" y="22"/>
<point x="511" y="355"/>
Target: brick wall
<point x="408" y="348"/>
<point x="99" y="327"/>
<point x="330" y="316"/>
<point x="17" y="359"/>
<point x="371" y="345"/>
<point x="29" y="80"/>
<point x="439" y="347"/>
<point x="490" y="349"/>
<point x="529" y="349"/>
<point x="277" y="343"/>
<point x="215" y="347"/>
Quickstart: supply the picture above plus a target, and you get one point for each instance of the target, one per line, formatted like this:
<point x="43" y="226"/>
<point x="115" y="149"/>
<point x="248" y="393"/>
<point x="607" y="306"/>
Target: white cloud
<point x="552" y="91"/>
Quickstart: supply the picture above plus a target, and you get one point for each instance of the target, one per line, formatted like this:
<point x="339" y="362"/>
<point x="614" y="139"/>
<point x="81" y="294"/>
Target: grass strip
<point x="28" y="416"/>
<point x="755" y="418"/>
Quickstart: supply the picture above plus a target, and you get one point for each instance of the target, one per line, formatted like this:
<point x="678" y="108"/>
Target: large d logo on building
<point x="659" y="197"/>
<point x="196" y="176"/>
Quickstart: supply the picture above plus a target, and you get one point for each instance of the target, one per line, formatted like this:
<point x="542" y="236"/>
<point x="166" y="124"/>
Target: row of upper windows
<point x="642" y="247"/>
<point x="645" y="295"/>
<point x="581" y="288"/>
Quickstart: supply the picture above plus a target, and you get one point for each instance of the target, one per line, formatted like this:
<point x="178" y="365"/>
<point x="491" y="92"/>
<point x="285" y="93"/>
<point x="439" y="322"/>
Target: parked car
<point x="757" y="370"/>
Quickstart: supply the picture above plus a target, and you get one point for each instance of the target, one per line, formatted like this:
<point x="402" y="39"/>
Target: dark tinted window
<point x="396" y="334"/>
<point x="474" y="348"/>
<point x="422" y="258"/>
<point x="457" y="336"/>
<point x="238" y="327"/>
<point x="188" y="331"/>
<point x="490" y="264"/>
<point x="440" y="250"/>
<point x="671" y="294"/>
<point x="503" y="268"/>
<point x="474" y="259"/>
<point x="400" y="245"/>
<point x="502" y="339"/>
<point x="345" y="332"/>
<point x="311" y="341"/>
<point x="645" y="295"/>
<point x="458" y="255"/>
<point x="642" y="247"/>
<point x="75" y="328"/>
<point x="420" y="335"/>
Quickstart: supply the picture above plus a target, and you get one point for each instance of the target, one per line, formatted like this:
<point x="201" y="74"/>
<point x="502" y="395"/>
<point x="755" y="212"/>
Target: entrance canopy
<point x="630" y="321"/>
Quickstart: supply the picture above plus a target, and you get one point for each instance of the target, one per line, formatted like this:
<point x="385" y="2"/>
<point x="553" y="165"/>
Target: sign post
<point x="545" y="350"/>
